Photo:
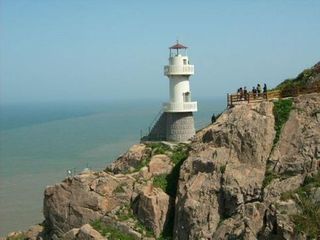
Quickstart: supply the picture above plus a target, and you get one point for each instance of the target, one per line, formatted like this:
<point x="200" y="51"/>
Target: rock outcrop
<point x="131" y="159"/>
<point x="152" y="208"/>
<point x="231" y="182"/>
<point x="83" y="199"/>
<point x="224" y="171"/>
<point x="298" y="148"/>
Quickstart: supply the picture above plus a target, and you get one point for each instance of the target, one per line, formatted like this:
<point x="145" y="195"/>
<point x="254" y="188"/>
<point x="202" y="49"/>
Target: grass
<point x="124" y="213"/>
<point x="223" y="169"/>
<point x="308" y="220"/>
<point x="119" y="189"/>
<point x="161" y="181"/>
<point x="110" y="232"/>
<point x="159" y="148"/>
<point x="18" y="237"/>
<point x="142" y="163"/>
<point x="281" y="113"/>
<point x="299" y="82"/>
<point x="169" y="182"/>
<point x="143" y="229"/>
<point x="269" y="177"/>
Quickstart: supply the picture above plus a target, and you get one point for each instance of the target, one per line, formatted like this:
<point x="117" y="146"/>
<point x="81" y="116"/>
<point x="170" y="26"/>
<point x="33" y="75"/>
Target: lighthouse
<point x="176" y="122"/>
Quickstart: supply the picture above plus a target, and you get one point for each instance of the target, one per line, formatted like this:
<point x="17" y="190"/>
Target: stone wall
<point x="176" y="127"/>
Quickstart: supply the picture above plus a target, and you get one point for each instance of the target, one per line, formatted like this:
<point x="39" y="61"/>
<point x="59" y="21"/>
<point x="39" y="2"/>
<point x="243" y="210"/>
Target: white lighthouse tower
<point x="180" y="122"/>
<point x="178" y="71"/>
<point x="176" y="122"/>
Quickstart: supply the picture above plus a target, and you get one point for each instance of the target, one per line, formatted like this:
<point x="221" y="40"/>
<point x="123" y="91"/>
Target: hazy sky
<point x="91" y="50"/>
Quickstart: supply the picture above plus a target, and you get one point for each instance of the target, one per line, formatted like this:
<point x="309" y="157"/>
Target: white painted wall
<point x="178" y="71"/>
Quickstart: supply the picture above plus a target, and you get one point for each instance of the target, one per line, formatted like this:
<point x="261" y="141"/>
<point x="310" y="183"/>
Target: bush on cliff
<point x="169" y="182"/>
<point x="308" y="219"/>
<point x="281" y="113"/>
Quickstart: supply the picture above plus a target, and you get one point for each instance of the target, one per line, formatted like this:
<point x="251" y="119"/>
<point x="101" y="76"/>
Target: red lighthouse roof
<point x="178" y="46"/>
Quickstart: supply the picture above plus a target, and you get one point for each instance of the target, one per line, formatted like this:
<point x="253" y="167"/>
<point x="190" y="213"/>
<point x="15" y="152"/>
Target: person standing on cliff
<point x="259" y="90"/>
<point x="213" y="118"/>
<point x="265" y="90"/>
<point x="245" y="93"/>
<point x="254" y="92"/>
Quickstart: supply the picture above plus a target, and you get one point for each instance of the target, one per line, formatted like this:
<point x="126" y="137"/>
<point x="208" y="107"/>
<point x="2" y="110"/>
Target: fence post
<point x="228" y="103"/>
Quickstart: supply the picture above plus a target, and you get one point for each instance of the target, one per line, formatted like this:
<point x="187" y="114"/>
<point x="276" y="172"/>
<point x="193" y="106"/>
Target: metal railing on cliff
<point x="150" y="127"/>
<point x="237" y="98"/>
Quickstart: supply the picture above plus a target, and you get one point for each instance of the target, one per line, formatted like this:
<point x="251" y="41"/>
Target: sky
<point x="102" y="50"/>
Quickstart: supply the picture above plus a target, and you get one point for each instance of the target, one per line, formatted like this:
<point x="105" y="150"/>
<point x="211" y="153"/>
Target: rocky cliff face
<point x="223" y="175"/>
<point x="233" y="181"/>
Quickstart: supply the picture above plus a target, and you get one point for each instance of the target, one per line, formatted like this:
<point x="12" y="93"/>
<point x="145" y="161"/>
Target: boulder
<point x="82" y="199"/>
<point x="159" y="164"/>
<point x="152" y="207"/>
<point x="34" y="233"/>
<point x="224" y="171"/>
<point x="272" y="192"/>
<point x="131" y="159"/>
<point x="86" y="232"/>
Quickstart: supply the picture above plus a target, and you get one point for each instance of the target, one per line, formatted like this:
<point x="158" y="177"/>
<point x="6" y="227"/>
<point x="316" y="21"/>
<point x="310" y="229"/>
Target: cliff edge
<point x="253" y="174"/>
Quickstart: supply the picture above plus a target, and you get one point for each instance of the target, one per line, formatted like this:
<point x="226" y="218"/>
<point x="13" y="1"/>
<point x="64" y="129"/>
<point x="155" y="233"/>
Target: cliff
<point x="235" y="180"/>
<point x="253" y="174"/>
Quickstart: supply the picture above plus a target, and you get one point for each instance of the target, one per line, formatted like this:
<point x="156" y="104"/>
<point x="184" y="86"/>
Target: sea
<point x="40" y="142"/>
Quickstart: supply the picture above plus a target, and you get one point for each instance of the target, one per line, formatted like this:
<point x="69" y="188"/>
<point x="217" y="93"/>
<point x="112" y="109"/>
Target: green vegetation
<point x="281" y="113"/>
<point x="304" y="80"/>
<point x="169" y="182"/>
<point x="269" y="177"/>
<point x="143" y="229"/>
<point x="308" y="220"/>
<point x="125" y="213"/>
<point x="142" y="163"/>
<point x="159" y="148"/>
<point x="119" y="188"/>
<point x="223" y="168"/>
<point x="111" y="232"/>
<point x="161" y="181"/>
<point x="18" y="237"/>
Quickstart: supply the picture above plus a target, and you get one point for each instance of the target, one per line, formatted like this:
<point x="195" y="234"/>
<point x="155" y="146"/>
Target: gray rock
<point x="86" y="232"/>
<point x="82" y="199"/>
<point x="224" y="171"/>
<point x="296" y="152"/>
<point x="130" y="160"/>
<point x="152" y="207"/>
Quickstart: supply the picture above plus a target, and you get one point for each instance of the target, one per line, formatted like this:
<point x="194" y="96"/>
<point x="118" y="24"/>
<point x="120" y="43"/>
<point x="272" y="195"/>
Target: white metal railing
<point x="180" y="107"/>
<point x="179" y="70"/>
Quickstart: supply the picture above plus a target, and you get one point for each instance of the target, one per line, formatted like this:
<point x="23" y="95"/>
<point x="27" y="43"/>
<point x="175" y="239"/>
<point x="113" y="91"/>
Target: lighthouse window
<point x="185" y="61"/>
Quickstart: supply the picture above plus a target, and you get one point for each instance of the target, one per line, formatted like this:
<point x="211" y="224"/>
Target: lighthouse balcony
<point x="170" y="70"/>
<point x="180" y="107"/>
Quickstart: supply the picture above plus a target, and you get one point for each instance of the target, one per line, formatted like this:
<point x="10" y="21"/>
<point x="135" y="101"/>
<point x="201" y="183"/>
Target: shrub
<point x="17" y="237"/>
<point x="111" y="232"/>
<point x="223" y="169"/>
<point x="308" y="220"/>
<point x="281" y="113"/>
<point x="159" y="148"/>
<point x="268" y="178"/>
<point x="161" y="182"/>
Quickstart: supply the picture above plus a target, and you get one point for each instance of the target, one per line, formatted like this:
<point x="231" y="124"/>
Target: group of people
<point x="257" y="91"/>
